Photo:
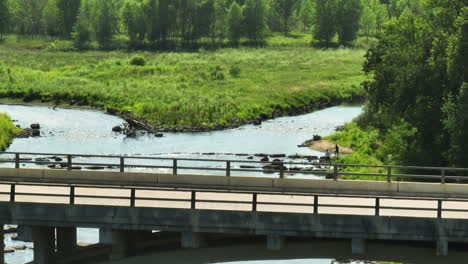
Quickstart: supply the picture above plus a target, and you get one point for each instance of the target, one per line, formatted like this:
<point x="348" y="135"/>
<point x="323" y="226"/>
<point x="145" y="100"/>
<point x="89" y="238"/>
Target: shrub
<point x="235" y="70"/>
<point x="138" y="61"/>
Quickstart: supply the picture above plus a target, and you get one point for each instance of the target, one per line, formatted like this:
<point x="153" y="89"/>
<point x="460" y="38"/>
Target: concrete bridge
<point x="194" y="209"/>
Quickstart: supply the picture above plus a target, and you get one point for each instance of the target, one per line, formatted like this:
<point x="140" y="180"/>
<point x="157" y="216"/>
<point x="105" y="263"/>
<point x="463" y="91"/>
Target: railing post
<point x="174" y="167"/>
<point x="281" y="171"/>
<point x="254" y="203"/>
<point x="316" y="204"/>
<point x="442" y="177"/>
<point x="72" y="195"/>
<point x="439" y="209"/>
<point x="122" y="164"/>
<point x="192" y="201"/>
<point x="228" y="168"/>
<point x="17" y="160"/>
<point x="132" y="198"/>
<point x="335" y="172"/>
<point x="69" y="162"/>
<point x="377" y="206"/>
<point x="12" y="193"/>
<point x="389" y="174"/>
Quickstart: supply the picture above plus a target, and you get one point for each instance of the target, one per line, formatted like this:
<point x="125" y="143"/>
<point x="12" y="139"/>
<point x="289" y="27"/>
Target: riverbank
<point x="183" y="91"/>
<point x="7" y="131"/>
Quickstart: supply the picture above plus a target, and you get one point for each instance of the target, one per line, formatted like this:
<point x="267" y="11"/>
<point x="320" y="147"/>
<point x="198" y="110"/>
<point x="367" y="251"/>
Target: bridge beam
<point x="2" y="244"/>
<point x="66" y="240"/>
<point x="275" y="242"/>
<point x="358" y="246"/>
<point x="44" y="244"/>
<point x="442" y="247"/>
<point x="192" y="240"/>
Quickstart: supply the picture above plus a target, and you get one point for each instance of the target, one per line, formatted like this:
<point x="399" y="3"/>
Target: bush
<point x="138" y="61"/>
<point x="235" y="70"/>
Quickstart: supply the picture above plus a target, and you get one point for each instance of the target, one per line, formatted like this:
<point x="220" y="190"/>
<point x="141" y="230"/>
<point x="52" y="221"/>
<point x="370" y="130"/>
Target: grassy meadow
<point x="203" y="89"/>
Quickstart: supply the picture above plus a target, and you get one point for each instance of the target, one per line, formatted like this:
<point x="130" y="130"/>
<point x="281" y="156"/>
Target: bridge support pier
<point x="44" y="244"/>
<point x="358" y="246"/>
<point x="275" y="242"/>
<point x="66" y="240"/>
<point x="192" y="240"/>
<point x="105" y="236"/>
<point x="120" y="244"/>
<point x="25" y="233"/>
<point x="2" y="244"/>
<point x="442" y="247"/>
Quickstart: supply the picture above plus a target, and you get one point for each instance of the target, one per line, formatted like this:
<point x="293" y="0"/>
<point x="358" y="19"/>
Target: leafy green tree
<point x="234" y="23"/>
<point x="105" y="22"/>
<point x="368" y="23"/>
<point x="4" y="17"/>
<point x="325" y="20"/>
<point x="51" y="19"/>
<point x="151" y="8"/>
<point x="285" y="9"/>
<point x="306" y="14"/>
<point x="134" y="21"/>
<point x="68" y="11"/>
<point x="81" y="34"/>
<point x="347" y="20"/>
<point x="255" y="20"/>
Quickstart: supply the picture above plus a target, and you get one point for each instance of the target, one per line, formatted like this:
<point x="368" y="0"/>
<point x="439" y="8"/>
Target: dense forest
<point x="168" y="23"/>
<point x="417" y="110"/>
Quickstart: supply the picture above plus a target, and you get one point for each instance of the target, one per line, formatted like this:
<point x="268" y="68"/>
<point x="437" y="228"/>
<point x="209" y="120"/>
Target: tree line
<point x="187" y="22"/>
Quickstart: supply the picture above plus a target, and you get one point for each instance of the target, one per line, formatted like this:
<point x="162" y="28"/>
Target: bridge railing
<point x="217" y="199"/>
<point x="228" y="167"/>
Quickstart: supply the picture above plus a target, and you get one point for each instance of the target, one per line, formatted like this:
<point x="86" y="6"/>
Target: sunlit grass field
<point x="203" y="89"/>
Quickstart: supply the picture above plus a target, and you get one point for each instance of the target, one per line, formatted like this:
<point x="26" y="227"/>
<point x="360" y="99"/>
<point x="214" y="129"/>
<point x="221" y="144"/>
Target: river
<point x="90" y="132"/>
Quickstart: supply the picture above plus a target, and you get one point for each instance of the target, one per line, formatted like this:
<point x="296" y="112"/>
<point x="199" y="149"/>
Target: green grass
<point x="205" y="89"/>
<point x="7" y="131"/>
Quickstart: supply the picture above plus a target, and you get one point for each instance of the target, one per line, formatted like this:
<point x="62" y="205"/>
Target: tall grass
<point x="204" y="89"/>
<point x="7" y="131"/>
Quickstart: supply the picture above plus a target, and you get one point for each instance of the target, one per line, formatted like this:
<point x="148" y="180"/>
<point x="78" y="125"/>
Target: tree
<point x="234" y="23"/>
<point x="325" y="19"/>
<point x="4" y="17"/>
<point x="306" y="14"/>
<point x="151" y="19"/>
<point x="68" y="13"/>
<point x="347" y="20"/>
<point x="368" y="22"/>
<point x="105" y="22"/>
<point x="134" y="21"/>
<point x="81" y="34"/>
<point x="255" y="22"/>
<point x="285" y="9"/>
<point x="51" y="19"/>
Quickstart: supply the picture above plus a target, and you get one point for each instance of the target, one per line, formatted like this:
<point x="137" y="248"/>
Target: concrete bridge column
<point x="66" y="240"/>
<point x="120" y="244"/>
<point x="192" y="240"/>
<point x="275" y="242"/>
<point x="358" y="246"/>
<point x="442" y="247"/>
<point x="44" y="244"/>
<point x="25" y="233"/>
<point x="2" y="245"/>
<point x="105" y="236"/>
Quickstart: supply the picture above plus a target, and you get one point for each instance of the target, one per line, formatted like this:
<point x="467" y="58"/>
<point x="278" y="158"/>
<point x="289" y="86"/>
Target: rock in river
<point x="35" y="126"/>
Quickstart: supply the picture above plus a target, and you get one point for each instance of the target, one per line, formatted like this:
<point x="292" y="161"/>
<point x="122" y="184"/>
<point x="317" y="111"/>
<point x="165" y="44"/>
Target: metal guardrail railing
<point x="252" y="204"/>
<point x="333" y="171"/>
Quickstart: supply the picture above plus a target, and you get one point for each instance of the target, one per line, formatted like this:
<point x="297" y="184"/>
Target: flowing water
<point x="90" y="132"/>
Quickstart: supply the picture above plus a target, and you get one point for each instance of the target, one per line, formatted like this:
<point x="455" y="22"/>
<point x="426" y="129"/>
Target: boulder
<point x="257" y="122"/>
<point x="278" y="155"/>
<point x="117" y="129"/>
<point x="35" y="126"/>
<point x="265" y="159"/>
<point x="35" y="133"/>
<point x="250" y="157"/>
<point x="159" y="135"/>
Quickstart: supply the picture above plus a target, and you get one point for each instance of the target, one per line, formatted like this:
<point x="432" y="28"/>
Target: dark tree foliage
<point x="285" y="9"/>
<point x="419" y="74"/>
<point x="4" y="17"/>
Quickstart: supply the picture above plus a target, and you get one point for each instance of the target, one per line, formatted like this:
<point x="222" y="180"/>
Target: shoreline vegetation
<point x="7" y="131"/>
<point x="184" y="91"/>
